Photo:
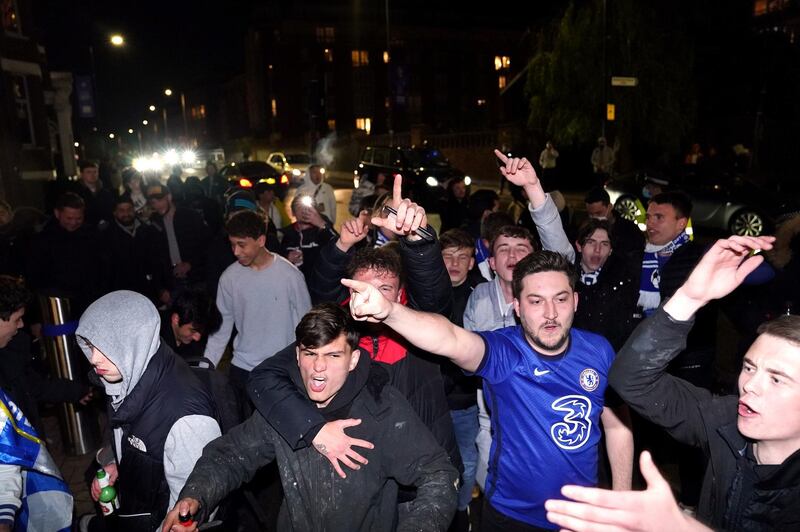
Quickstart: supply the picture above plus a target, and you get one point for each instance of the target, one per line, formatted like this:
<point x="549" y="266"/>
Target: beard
<point x="552" y="345"/>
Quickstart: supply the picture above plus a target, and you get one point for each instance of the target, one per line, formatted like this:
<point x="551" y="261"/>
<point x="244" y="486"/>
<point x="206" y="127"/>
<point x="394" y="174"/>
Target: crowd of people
<point x="382" y="374"/>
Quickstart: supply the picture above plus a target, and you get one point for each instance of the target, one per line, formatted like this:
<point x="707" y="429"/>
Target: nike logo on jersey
<point x="539" y="372"/>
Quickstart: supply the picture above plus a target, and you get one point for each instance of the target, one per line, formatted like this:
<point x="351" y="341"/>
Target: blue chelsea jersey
<point x="545" y="413"/>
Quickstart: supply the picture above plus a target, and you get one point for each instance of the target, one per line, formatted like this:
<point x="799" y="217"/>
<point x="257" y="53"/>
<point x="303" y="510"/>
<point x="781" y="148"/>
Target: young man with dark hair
<point x="329" y="370"/>
<point x="545" y="383"/>
<point x="303" y="239"/>
<point x="250" y="292"/>
<point x="752" y="440"/>
<point x="627" y="238"/>
<point x="191" y="316"/>
<point x="419" y="379"/>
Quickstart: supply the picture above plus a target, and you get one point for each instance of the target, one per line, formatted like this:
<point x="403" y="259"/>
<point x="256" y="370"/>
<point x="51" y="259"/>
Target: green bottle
<point x="108" y="494"/>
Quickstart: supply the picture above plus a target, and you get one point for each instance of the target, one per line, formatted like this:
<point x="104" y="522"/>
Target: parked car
<point x="246" y="174"/>
<point x="425" y="170"/>
<point x="733" y="205"/>
<point x="293" y="164"/>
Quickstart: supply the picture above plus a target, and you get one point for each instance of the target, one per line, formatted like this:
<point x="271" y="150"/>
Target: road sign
<point x="619" y="81"/>
<point x="611" y="112"/>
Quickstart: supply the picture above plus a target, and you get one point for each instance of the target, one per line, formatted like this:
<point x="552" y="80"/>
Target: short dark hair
<point x="13" y="296"/>
<point x="323" y="324"/>
<point x="84" y="164"/>
<point x="457" y="238"/>
<point x="783" y="327"/>
<point x="542" y="261"/>
<point x="679" y="201"/>
<point x="588" y="228"/>
<point x="123" y="198"/>
<point x="382" y="260"/>
<point x="71" y="200"/>
<point x="493" y="223"/>
<point x="196" y="307"/>
<point x="514" y="231"/>
<point x="481" y="201"/>
<point x="596" y="194"/>
<point x="246" y="224"/>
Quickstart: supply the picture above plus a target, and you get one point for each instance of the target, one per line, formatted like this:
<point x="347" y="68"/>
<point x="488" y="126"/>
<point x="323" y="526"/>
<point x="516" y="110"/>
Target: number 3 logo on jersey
<point x="576" y="426"/>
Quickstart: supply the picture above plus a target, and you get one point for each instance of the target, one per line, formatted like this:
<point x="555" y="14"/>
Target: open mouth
<point x="317" y="384"/>
<point x="550" y="327"/>
<point x="745" y="410"/>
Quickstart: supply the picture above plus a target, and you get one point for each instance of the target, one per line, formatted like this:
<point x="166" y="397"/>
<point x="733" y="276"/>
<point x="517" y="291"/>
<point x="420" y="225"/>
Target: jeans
<point x="465" y="426"/>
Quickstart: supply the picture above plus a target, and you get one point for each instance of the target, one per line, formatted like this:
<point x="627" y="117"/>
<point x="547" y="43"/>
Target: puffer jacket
<point x="734" y="495"/>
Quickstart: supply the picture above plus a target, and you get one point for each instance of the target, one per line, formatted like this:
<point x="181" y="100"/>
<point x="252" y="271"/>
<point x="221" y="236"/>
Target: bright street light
<point x="145" y="122"/>
<point x="167" y="92"/>
<point x="152" y="107"/>
<point x="111" y="135"/>
<point x="77" y="144"/>
<point x="130" y="131"/>
<point x="117" y="40"/>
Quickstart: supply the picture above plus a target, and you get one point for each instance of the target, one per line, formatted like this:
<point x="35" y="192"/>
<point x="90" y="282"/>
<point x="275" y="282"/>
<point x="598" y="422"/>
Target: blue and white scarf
<point x="655" y="257"/>
<point x="46" y="500"/>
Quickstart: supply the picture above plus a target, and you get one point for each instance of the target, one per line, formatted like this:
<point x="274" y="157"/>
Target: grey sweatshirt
<point x="265" y="305"/>
<point x="125" y="326"/>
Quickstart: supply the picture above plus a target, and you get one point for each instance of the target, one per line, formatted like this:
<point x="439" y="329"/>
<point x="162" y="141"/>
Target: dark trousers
<point x="238" y="378"/>
<point x="494" y="521"/>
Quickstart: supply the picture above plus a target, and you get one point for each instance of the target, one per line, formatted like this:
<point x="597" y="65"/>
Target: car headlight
<point x="432" y="182"/>
<point x="296" y="172"/>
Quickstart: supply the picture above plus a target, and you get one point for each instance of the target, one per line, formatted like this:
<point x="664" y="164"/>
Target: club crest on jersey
<point x="589" y="380"/>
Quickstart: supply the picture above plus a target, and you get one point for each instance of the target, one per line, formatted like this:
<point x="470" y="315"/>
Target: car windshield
<point x="252" y="169"/>
<point x="427" y="157"/>
<point x="297" y="158"/>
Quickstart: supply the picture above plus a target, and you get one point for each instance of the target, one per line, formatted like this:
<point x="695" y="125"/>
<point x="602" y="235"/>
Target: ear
<point x="682" y="223"/>
<point x="516" y="306"/>
<point x="471" y="263"/>
<point x="354" y="357"/>
<point x="575" y="306"/>
<point x="175" y="320"/>
<point x="491" y="264"/>
<point x="261" y="241"/>
<point x="297" y="353"/>
<point x="578" y="247"/>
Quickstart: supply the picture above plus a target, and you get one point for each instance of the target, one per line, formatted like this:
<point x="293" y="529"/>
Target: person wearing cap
<point x="184" y="236"/>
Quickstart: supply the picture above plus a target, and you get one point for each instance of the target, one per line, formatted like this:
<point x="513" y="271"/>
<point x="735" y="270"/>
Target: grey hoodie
<point x="124" y="326"/>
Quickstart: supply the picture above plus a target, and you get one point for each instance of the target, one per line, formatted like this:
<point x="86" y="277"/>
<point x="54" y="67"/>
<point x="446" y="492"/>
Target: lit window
<point x="198" y="112"/>
<point x="501" y="82"/>
<point x="274" y="107"/>
<point x="360" y="58"/>
<point x="328" y="54"/>
<point x="364" y="124"/>
<point x="386" y="57"/>
<point x="501" y="62"/>
<point x="331" y="124"/>
<point x="8" y="12"/>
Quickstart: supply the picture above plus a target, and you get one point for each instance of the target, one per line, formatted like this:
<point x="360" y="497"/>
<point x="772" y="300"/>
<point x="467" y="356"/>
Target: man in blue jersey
<point x="543" y="381"/>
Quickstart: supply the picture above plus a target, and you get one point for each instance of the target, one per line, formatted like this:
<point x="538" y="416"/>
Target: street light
<point x="117" y="40"/>
<point x="152" y="108"/>
<point x="167" y="92"/>
<point x="130" y="130"/>
<point x="145" y="122"/>
<point x="111" y="136"/>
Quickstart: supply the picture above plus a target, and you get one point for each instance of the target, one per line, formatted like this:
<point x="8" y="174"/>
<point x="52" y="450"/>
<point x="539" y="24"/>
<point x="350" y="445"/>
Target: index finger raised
<point x="500" y="155"/>
<point x="397" y="189"/>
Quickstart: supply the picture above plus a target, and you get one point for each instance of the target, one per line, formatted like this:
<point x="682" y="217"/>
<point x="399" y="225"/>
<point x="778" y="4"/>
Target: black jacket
<point x="310" y="241"/>
<point x="417" y="375"/>
<point x="609" y="307"/>
<point x="67" y="264"/>
<point x="99" y="205"/>
<point x="627" y="239"/>
<point x="733" y="496"/>
<point x="27" y="387"/>
<point x="316" y="498"/>
<point x="145" y="423"/>
<point x="133" y="262"/>
<point x="193" y="239"/>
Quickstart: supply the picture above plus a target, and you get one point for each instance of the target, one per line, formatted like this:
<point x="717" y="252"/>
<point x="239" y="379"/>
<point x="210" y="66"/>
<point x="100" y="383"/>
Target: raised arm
<point x="430" y="332"/>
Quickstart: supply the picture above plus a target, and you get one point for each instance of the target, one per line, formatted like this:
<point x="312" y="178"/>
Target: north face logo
<point x="137" y="443"/>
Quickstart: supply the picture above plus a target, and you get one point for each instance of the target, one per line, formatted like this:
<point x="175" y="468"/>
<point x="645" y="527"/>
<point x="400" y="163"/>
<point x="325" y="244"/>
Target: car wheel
<point x="747" y="223"/>
<point x="627" y="208"/>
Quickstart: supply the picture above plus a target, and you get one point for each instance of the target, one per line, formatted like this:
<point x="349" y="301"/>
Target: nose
<point x="550" y="311"/>
<point x="751" y="384"/>
<point x="319" y="364"/>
